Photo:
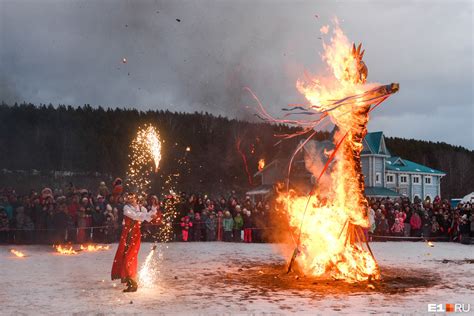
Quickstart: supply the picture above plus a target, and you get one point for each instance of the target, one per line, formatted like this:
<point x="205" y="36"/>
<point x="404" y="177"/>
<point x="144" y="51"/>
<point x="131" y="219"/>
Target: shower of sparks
<point x="145" y="158"/>
<point x="150" y="271"/>
<point x="17" y="253"/>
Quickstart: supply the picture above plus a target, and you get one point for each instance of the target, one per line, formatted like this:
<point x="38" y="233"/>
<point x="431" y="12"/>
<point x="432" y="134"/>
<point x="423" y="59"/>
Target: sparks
<point x="149" y="272"/>
<point x="145" y="158"/>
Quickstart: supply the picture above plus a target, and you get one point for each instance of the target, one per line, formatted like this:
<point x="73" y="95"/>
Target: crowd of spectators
<point x="81" y="216"/>
<point x="437" y="218"/>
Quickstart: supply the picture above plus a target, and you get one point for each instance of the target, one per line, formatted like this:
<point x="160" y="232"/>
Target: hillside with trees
<point x="93" y="143"/>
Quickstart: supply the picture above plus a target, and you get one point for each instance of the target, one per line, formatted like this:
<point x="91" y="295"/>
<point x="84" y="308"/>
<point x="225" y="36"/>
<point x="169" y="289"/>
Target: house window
<point x="416" y="179"/>
<point x="390" y="178"/>
<point x="403" y="179"/>
<point x="378" y="178"/>
<point x="428" y="180"/>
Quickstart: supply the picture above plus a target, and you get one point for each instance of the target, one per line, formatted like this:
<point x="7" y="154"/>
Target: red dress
<point x="126" y="259"/>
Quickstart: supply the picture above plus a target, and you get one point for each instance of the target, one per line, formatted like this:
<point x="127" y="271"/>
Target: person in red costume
<point x="126" y="259"/>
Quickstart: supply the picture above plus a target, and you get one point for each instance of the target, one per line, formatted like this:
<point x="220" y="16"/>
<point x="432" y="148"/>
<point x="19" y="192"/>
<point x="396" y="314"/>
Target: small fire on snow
<point x="94" y="247"/>
<point x="17" y="253"/>
<point x="65" y="250"/>
<point x="430" y="244"/>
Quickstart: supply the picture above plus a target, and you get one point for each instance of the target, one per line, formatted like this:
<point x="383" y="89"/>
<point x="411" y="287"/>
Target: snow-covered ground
<point x="216" y="278"/>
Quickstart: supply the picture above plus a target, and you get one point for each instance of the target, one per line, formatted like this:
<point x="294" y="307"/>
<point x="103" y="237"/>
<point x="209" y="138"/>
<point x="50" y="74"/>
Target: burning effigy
<point x="328" y="224"/>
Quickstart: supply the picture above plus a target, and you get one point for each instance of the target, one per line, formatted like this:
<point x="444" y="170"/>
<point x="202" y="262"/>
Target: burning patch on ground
<point x="267" y="278"/>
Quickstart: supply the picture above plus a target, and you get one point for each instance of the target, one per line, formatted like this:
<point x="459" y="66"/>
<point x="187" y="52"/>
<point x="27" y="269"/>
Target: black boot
<point x="132" y="286"/>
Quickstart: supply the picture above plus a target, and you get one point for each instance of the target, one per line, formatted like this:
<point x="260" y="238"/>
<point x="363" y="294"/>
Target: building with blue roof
<point x="384" y="175"/>
<point x="387" y="175"/>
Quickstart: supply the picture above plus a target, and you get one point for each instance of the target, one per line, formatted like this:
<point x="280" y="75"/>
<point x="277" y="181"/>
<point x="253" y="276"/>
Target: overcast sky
<point x="70" y="52"/>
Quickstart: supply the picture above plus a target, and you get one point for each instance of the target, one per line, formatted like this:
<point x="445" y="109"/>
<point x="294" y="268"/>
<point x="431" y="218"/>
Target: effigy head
<point x="361" y="66"/>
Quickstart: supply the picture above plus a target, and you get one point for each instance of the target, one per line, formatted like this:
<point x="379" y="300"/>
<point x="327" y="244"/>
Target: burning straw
<point x="17" y="253"/>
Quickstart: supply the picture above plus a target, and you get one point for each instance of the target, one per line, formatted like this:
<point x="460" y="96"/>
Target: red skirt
<point x="126" y="259"/>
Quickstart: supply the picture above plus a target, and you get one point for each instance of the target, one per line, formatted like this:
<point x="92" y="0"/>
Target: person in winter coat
<point x="4" y="225"/>
<point x="397" y="228"/>
<point x="426" y="225"/>
<point x="98" y="219"/>
<point x="220" y="228"/>
<point x="60" y="224"/>
<point x="228" y="225"/>
<point x="25" y="225"/>
<point x="103" y="190"/>
<point x="435" y="228"/>
<point x="211" y="224"/>
<point x="407" y="228"/>
<point x="185" y="226"/>
<point x="197" y="227"/>
<point x="415" y="223"/>
<point x="204" y="217"/>
<point x="248" y="226"/>
<point x="81" y="225"/>
<point x="382" y="226"/>
<point x="371" y="220"/>
<point x="117" y="190"/>
<point x="238" y="225"/>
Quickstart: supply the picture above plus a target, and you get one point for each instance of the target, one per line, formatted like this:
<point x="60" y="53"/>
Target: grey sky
<point x="70" y="52"/>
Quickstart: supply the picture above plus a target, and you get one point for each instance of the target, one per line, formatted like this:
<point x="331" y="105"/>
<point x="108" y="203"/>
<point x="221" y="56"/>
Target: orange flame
<point x="65" y="250"/>
<point x="330" y="227"/>
<point x="17" y="253"/>
<point x="94" y="247"/>
<point x="261" y="164"/>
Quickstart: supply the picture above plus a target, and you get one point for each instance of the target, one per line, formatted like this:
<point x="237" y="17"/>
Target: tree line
<point x="95" y="139"/>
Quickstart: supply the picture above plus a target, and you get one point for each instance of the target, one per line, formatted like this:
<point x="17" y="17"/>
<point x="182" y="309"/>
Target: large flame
<point x="331" y="240"/>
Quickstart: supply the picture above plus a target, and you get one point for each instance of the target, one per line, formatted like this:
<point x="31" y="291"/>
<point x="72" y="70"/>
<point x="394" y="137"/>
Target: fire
<point x="17" y="253"/>
<point x="430" y="244"/>
<point x="145" y="157"/>
<point x="261" y="164"/>
<point x="330" y="227"/>
<point x="65" y="250"/>
<point x="92" y="248"/>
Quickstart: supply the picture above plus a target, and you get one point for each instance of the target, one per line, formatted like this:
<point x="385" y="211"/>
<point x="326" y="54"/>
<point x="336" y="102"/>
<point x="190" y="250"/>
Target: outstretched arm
<point x="137" y="215"/>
